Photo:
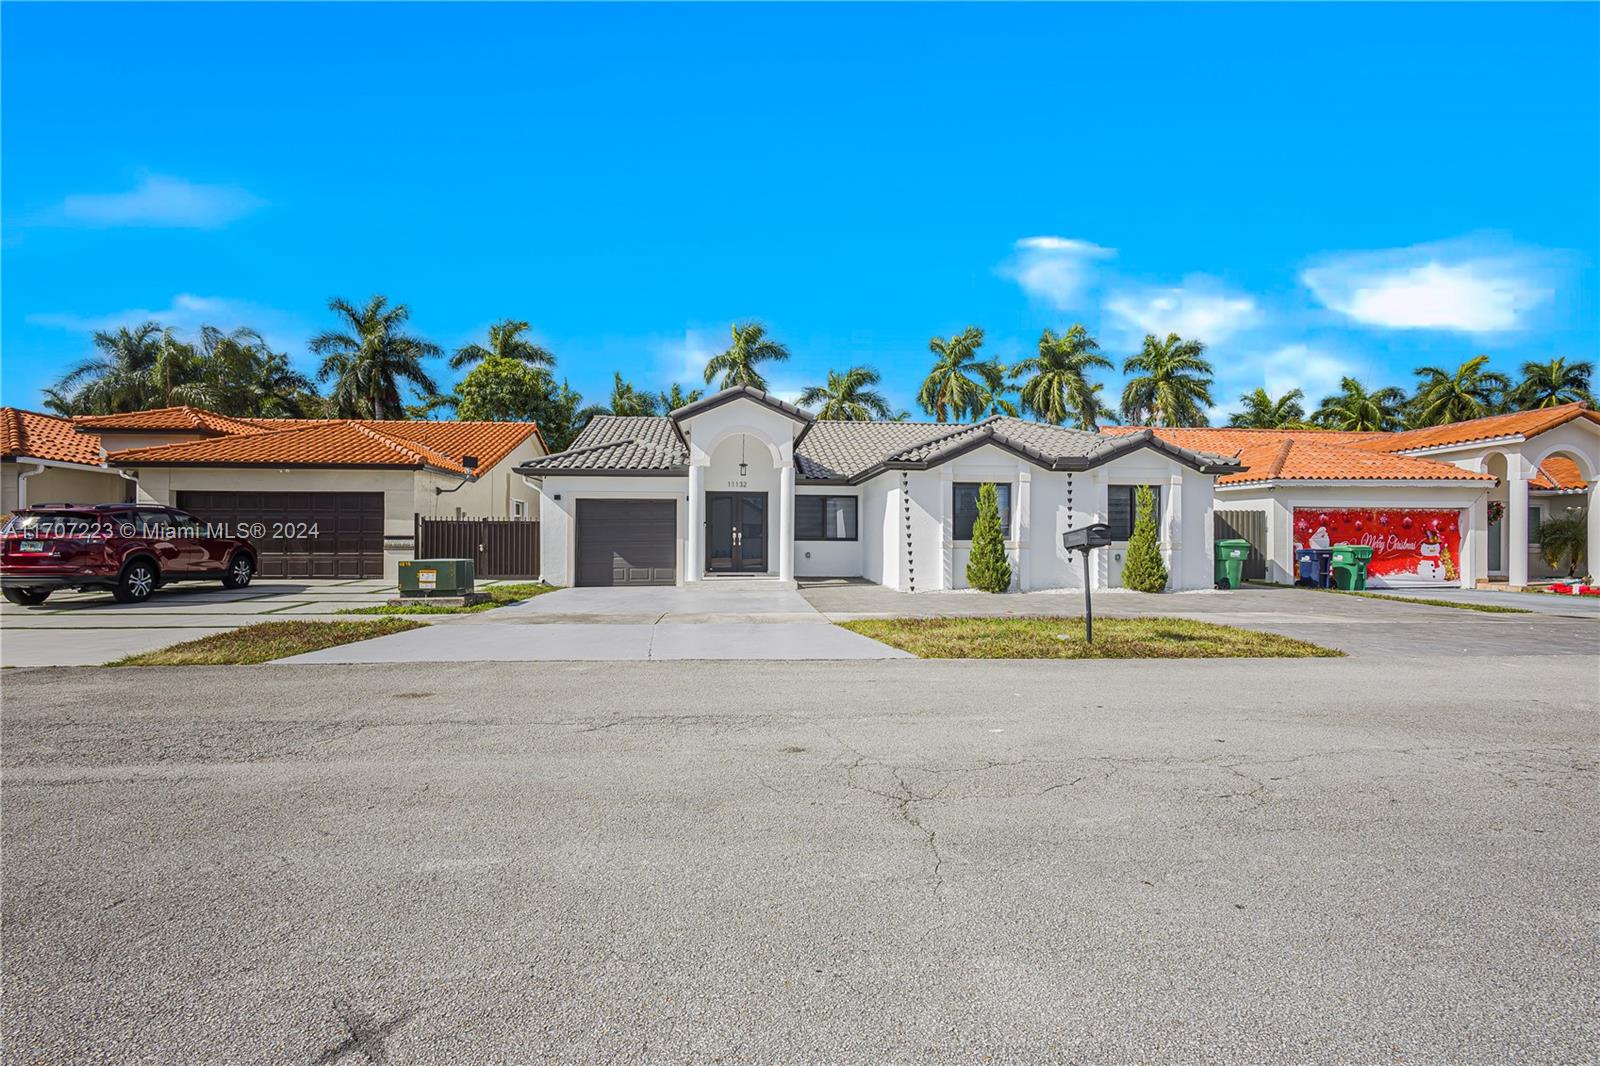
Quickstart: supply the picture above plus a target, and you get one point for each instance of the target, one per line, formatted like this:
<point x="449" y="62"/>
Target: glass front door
<point x="1497" y="534"/>
<point x="736" y="532"/>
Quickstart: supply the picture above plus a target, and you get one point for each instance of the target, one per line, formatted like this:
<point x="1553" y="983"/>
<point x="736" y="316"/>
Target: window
<point x="1122" y="508"/>
<point x="825" y="517"/>
<point x="1535" y="516"/>
<point x="964" y="506"/>
<point x="519" y="508"/>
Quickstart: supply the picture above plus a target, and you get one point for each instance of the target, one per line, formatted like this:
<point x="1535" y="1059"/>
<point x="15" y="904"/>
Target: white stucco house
<point x="741" y="484"/>
<point x="1423" y="498"/>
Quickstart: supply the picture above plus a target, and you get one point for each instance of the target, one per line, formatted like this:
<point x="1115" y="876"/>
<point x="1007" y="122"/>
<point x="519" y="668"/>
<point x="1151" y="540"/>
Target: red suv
<point x="130" y="549"/>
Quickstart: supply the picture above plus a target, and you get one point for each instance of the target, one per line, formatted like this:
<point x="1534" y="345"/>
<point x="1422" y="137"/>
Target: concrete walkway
<point x="614" y="625"/>
<point x="91" y="628"/>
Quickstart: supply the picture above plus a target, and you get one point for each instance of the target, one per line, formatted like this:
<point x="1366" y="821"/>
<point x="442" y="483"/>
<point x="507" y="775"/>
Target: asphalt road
<point x="1354" y="860"/>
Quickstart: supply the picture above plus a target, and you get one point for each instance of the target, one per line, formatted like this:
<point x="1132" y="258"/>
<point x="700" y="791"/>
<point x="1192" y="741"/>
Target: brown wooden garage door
<point x="348" y="527"/>
<point x="627" y="542"/>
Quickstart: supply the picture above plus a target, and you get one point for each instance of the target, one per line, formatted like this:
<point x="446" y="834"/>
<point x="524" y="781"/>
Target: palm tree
<point x="950" y="391"/>
<point x="1564" y="541"/>
<point x="370" y="361"/>
<point x="739" y="364"/>
<point x="847" y="397"/>
<point x="1355" y="410"/>
<point x="505" y="342"/>
<point x="994" y="375"/>
<point x="1172" y="383"/>
<point x="118" y="378"/>
<point x="1261" y="411"/>
<point x="1092" y="410"/>
<point x="1471" y="392"/>
<point x="627" y="400"/>
<point x="1553" y="384"/>
<point x="1057" y="387"/>
<point x="677" y="397"/>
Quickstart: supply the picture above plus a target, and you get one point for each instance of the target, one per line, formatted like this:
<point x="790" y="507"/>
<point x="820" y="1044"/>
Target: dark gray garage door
<point x="302" y="534"/>
<point x="627" y="542"/>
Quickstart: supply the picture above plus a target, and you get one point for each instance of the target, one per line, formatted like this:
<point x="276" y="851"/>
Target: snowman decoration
<point x="1430" y="567"/>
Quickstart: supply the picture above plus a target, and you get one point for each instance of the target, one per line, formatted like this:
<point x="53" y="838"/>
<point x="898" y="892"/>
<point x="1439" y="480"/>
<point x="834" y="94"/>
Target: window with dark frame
<point x="825" y="517"/>
<point x="1122" y="508"/>
<point x="964" y="507"/>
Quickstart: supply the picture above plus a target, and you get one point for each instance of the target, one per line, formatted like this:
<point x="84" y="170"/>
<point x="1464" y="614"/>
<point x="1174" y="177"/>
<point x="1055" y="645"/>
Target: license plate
<point x="31" y="546"/>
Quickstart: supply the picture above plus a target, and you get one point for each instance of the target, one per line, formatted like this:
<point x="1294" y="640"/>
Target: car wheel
<point x="240" y="570"/>
<point x="27" y="597"/>
<point x="138" y="580"/>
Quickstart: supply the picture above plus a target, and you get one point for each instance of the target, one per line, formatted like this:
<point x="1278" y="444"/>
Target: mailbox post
<point x="1094" y="535"/>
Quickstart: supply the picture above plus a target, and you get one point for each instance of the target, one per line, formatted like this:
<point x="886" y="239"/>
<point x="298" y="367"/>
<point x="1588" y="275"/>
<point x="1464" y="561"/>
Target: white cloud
<point x="1314" y="371"/>
<point x="683" y="360"/>
<point x="1055" y="270"/>
<point x="161" y="202"/>
<point x="1195" y="311"/>
<point x="185" y="316"/>
<point x="1445" y="286"/>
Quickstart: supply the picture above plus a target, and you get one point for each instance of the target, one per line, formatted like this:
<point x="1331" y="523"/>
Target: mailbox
<point x="1095" y="535"/>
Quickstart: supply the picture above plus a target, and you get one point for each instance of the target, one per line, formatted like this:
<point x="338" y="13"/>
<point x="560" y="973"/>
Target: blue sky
<point x="1311" y="190"/>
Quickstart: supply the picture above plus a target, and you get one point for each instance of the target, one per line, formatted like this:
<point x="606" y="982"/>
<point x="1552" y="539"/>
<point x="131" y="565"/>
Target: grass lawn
<point x="1485" y="608"/>
<point x="1062" y="638"/>
<point x="500" y="595"/>
<point x="266" y="641"/>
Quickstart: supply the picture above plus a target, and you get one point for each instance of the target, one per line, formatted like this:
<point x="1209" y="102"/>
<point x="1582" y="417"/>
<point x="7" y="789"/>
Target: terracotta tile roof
<point x="1520" y="423"/>
<point x="1299" y="459"/>
<point x="180" y="419"/>
<point x="1558" y="474"/>
<point x="440" y="445"/>
<point x="33" y="435"/>
<point x="1227" y="440"/>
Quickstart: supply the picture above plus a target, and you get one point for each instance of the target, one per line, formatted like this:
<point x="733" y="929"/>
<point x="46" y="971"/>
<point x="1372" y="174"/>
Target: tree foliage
<point x="847" y="397"/>
<point x="987" y="566"/>
<point x="371" y="359"/>
<point x="1553" y="384"/>
<point x="1471" y="391"/>
<point x="1261" y="411"/>
<point x="1564" y="542"/>
<point x="1354" y="409"/>
<point x="1169" y="383"/>
<point x="955" y="387"/>
<point x="1056" y="384"/>
<point x="506" y="341"/>
<point x="1142" y="568"/>
<point x="740" y="363"/>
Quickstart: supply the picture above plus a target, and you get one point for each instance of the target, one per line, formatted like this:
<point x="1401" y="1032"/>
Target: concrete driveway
<point x="91" y="628"/>
<point x="1284" y="861"/>
<point x="755" y="622"/>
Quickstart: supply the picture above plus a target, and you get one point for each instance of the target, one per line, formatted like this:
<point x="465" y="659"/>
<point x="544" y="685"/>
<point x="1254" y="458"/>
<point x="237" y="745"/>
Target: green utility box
<point x="436" y="577"/>
<point x="1350" y="566"/>
<point x="1230" y="556"/>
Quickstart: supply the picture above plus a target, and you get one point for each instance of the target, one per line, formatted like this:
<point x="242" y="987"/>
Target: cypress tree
<point x="987" y="568"/>
<point x="1143" y="569"/>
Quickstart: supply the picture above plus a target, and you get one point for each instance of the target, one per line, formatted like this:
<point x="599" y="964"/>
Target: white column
<point x="1176" y="579"/>
<point x="1475" y="546"/>
<point x="694" y="565"/>
<point x="786" y="521"/>
<point x="1021" y="525"/>
<point x="1517" y="523"/>
<point x="1592" y="550"/>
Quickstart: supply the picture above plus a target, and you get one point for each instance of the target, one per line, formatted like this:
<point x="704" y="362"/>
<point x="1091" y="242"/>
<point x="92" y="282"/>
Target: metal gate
<point x="498" y="547"/>
<point x="1250" y="526"/>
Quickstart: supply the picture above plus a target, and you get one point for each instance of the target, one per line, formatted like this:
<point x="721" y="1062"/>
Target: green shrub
<point x="1562" y="542"/>
<point x="1143" y="569"/>
<point x="987" y="568"/>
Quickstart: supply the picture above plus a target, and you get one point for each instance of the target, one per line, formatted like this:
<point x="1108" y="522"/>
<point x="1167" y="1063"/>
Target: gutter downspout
<point x="22" y="484"/>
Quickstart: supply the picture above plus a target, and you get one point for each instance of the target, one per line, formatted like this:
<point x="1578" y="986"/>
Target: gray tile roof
<point x="853" y="451"/>
<point x="745" y="392"/>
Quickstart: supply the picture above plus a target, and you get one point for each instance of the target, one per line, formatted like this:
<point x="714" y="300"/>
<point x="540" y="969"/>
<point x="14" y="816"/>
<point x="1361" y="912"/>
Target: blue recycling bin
<point x="1314" y="567"/>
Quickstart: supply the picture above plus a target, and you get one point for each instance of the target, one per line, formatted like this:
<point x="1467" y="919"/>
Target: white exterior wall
<point x="58" y="484"/>
<point x="490" y="496"/>
<point x="835" y="558"/>
<point x="1280" y="502"/>
<point x="558" y="546"/>
<point x="879" y="560"/>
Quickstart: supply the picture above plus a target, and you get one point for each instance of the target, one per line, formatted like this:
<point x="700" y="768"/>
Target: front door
<point x="736" y="532"/>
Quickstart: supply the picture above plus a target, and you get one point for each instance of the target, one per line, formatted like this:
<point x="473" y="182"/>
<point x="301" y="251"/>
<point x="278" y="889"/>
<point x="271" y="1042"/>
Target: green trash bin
<point x="1230" y="557"/>
<point x="1350" y="566"/>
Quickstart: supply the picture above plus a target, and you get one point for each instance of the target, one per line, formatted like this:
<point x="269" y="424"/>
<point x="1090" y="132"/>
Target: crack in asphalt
<point x="364" y="1034"/>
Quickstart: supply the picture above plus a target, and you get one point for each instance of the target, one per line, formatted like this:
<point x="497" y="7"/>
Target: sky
<point x="1313" y="191"/>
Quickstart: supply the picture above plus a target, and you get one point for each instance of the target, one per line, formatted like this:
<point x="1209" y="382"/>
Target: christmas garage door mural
<point x="1409" y="546"/>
